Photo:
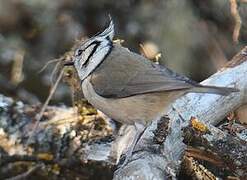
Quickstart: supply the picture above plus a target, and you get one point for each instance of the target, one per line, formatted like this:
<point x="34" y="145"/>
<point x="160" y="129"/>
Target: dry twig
<point x="237" y="19"/>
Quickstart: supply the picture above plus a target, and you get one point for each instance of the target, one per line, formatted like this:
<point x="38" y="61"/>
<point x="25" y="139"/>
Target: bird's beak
<point x="68" y="63"/>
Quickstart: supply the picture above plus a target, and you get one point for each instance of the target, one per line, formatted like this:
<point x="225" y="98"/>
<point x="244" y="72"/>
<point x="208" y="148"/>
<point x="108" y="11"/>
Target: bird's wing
<point x="124" y="73"/>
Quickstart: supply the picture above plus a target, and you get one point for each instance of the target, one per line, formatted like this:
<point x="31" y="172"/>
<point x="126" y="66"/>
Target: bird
<point x="126" y="86"/>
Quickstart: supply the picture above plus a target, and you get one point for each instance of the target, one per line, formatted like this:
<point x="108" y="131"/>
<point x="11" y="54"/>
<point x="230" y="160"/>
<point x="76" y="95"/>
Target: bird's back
<point x="124" y="73"/>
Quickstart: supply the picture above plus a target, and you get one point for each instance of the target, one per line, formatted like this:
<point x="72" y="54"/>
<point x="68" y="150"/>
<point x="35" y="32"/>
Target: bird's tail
<point x="224" y="91"/>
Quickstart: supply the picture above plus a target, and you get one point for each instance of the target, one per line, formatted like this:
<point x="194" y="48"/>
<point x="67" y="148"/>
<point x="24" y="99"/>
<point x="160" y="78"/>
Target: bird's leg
<point x="140" y="129"/>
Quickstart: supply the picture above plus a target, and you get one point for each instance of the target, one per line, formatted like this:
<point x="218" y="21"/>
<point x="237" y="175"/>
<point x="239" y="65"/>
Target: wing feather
<point x="124" y="73"/>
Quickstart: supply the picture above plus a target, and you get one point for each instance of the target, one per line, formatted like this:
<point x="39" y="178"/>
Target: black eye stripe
<point x="80" y="51"/>
<point x="92" y="43"/>
<point x="93" y="51"/>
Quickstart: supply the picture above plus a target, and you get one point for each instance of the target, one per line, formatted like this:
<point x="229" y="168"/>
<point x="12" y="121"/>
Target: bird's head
<point x="92" y="52"/>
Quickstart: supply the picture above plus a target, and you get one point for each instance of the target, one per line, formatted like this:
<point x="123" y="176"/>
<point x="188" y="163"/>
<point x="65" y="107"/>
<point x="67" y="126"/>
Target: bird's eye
<point x="78" y="52"/>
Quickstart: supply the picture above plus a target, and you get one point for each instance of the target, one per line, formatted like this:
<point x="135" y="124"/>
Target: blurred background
<point x="194" y="37"/>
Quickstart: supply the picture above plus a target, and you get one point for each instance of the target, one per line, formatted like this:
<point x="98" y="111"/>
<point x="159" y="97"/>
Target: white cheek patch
<point x="95" y="60"/>
<point x="98" y="57"/>
<point x="85" y="55"/>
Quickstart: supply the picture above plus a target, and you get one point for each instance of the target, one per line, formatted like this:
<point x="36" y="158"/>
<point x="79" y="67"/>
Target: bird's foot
<point x="140" y="130"/>
<point x="127" y="158"/>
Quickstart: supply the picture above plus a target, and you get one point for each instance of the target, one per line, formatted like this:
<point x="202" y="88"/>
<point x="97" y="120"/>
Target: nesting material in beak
<point x="68" y="63"/>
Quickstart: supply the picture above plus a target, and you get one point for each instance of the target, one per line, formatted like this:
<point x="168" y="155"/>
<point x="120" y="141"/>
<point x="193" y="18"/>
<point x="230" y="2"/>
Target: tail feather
<point x="224" y="91"/>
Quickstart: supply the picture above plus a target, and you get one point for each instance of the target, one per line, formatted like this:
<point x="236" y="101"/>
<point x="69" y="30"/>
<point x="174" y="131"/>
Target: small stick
<point x="54" y="71"/>
<point x="49" y="62"/>
<point x="237" y="19"/>
<point x="26" y="174"/>
<point x="39" y="116"/>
